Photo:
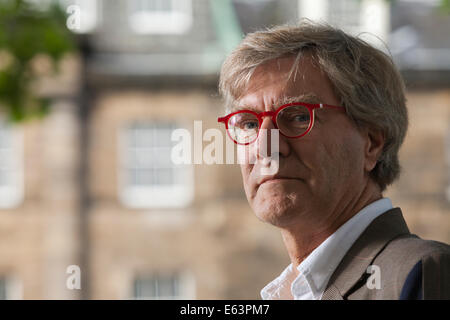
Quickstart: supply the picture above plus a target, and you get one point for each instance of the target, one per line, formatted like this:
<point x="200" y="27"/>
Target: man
<point x="339" y="106"/>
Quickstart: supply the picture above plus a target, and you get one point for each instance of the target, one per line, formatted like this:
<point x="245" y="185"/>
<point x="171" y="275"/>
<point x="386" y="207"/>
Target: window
<point x="10" y="288"/>
<point x="148" y="177"/>
<point x="447" y="158"/>
<point x="11" y="166"/>
<point x="160" y="16"/>
<point x="345" y="13"/>
<point x="164" y="287"/>
<point x="2" y="288"/>
<point x="354" y="16"/>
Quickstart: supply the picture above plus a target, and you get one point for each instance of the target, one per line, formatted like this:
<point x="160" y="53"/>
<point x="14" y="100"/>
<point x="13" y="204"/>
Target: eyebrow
<point x="308" y="98"/>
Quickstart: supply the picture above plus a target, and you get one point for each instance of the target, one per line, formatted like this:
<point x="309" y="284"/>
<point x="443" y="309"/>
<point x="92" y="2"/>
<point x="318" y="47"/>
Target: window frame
<point x="185" y="284"/>
<point x="177" y="21"/>
<point x="178" y="195"/>
<point x="374" y="18"/>
<point x="12" y="194"/>
<point x="12" y="287"/>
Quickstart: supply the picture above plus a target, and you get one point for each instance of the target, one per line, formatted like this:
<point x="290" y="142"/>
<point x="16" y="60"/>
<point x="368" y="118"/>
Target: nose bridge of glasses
<point x="265" y="114"/>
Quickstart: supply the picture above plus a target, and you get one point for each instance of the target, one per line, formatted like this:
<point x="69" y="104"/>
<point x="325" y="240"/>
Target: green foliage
<point x="27" y="32"/>
<point x="445" y="6"/>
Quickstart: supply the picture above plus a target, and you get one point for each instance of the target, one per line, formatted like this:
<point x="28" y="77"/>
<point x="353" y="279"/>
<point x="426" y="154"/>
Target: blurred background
<point x="90" y="91"/>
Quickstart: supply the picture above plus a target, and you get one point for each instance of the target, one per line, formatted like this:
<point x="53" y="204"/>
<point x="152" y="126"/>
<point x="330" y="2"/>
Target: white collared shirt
<point x="317" y="268"/>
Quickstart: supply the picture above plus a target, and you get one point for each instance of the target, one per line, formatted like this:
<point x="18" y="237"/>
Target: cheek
<point x="335" y="161"/>
<point x="246" y="154"/>
<point x="245" y="171"/>
<point x="346" y="158"/>
<point x="243" y="158"/>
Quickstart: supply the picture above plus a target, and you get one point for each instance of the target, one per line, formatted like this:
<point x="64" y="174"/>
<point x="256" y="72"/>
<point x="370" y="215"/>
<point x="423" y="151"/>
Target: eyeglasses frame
<point x="273" y="114"/>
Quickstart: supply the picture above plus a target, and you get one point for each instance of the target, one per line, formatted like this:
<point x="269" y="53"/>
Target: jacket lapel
<point x="372" y="241"/>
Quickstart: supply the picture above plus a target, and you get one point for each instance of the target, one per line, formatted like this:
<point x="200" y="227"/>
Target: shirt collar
<point x="317" y="268"/>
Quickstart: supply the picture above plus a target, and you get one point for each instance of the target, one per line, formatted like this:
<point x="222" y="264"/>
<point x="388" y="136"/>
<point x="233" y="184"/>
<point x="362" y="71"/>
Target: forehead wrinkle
<point x="244" y="107"/>
<point x="307" y="97"/>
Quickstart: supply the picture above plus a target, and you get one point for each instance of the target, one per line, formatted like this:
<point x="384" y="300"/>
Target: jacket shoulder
<point x="400" y="256"/>
<point x="434" y="260"/>
<point x="412" y="248"/>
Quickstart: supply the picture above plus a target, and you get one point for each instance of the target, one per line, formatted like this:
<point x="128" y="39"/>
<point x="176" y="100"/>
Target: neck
<point x="302" y="237"/>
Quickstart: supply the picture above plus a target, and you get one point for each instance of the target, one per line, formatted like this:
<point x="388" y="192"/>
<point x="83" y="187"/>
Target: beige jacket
<point x="398" y="261"/>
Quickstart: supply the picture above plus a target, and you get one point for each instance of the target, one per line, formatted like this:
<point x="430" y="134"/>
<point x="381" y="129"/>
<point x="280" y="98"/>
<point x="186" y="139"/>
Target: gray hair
<point x="364" y="78"/>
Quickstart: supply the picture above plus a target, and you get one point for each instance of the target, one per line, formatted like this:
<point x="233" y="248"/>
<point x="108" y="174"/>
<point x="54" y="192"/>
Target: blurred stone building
<point x="93" y="185"/>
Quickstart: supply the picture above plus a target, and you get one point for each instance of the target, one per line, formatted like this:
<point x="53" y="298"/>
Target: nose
<point x="264" y="142"/>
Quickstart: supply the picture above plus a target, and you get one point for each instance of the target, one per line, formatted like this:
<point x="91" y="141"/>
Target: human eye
<point x="249" y="125"/>
<point x="303" y="117"/>
<point x="293" y="120"/>
<point x="297" y="114"/>
<point x="245" y="121"/>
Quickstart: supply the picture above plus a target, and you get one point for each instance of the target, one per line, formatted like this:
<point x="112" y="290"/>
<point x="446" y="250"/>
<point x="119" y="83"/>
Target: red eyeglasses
<point x="294" y="120"/>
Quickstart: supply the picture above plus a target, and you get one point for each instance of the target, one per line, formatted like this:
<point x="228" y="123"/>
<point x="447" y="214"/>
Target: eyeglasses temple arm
<point x="321" y="105"/>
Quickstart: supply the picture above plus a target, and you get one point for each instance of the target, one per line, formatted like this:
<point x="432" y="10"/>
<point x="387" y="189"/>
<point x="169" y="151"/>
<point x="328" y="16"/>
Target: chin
<point x="278" y="213"/>
<point x="278" y="203"/>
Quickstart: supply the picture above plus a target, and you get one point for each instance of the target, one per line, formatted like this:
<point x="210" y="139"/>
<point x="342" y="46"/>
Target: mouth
<point x="268" y="180"/>
<point x="272" y="181"/>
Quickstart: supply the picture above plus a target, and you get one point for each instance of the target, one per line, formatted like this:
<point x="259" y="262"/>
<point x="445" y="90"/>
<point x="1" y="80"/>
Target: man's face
<point x="317" y="172"/>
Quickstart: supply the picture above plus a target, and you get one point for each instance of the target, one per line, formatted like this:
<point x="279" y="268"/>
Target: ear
<point x="374" y="147"/>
